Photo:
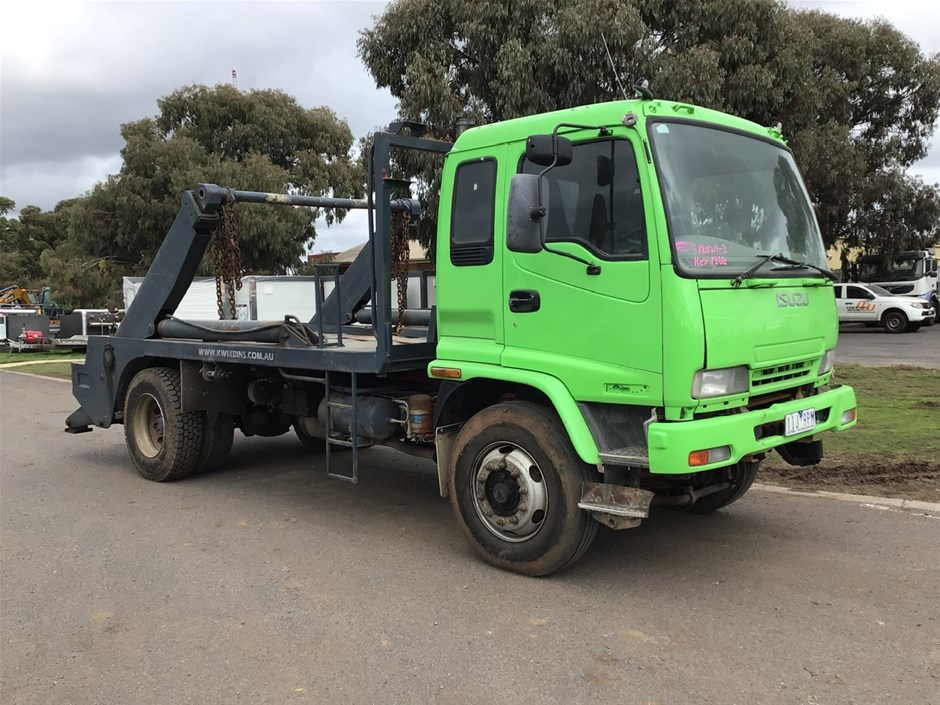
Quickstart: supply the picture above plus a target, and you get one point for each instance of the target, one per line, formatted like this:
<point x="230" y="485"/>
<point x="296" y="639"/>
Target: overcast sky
<point x="72" y="72"/>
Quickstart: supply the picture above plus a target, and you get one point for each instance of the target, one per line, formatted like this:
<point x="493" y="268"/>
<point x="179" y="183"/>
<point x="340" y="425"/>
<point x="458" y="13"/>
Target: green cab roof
<point x="601" y="114"/>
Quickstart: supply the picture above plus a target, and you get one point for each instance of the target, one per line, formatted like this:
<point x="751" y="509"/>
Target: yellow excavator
<point x="17" y="296"/>
<point x="39" y="300"/>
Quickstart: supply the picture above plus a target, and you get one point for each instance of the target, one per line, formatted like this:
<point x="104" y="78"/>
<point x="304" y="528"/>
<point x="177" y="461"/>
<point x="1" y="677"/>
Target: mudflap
<point x="615" y="506"/>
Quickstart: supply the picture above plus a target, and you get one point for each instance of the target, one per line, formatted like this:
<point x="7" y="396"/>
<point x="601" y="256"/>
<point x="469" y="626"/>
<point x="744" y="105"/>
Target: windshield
<point x="879" y="291"/>
<point x="899" y="269"/>
<point x="730" y="198"/>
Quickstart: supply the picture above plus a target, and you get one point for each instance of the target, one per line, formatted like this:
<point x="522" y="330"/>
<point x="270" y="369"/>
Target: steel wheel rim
<point x="510" y="496"/>
<point x="148" y="425"/>
<point x="894" y="323"/>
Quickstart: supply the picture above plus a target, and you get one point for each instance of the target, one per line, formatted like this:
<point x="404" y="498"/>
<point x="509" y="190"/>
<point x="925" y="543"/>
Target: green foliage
<point x="257" y="140"/>
<point x="24" y="239"/>
<point x="858" y="100"/>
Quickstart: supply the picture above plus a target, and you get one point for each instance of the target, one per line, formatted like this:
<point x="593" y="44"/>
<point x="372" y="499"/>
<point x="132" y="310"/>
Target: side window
<point x="473" y="213"/>
<point x="838" y="289"/>
<point x="596" y="200"/>
<point x="857" y="292"/>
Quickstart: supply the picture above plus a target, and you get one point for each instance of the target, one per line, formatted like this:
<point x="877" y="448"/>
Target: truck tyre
<point x="894" y="322"/>
<point x="743" y="478"/>
<point x="217" y="442"/>
<point x="164" y="443"/>
<point x="311" y="443"/>
<point x="515" y="486"/>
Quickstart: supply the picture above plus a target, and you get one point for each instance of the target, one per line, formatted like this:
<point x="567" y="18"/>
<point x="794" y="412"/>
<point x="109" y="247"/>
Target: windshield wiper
<point x="779" y="257"/>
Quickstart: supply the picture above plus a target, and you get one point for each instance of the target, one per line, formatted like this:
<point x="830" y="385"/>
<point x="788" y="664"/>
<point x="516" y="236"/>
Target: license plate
<point x="799" y="422"/>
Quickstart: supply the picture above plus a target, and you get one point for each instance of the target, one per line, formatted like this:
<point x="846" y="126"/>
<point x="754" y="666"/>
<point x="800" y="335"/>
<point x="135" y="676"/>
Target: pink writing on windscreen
<point x="715" y="261"/>
<point x="716" y="252"/>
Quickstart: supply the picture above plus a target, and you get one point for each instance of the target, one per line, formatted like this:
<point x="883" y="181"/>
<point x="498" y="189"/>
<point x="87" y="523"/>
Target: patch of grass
<point x="36" y="356"/>
<point x="62" y="370"/>
<point x="898" y="416"/>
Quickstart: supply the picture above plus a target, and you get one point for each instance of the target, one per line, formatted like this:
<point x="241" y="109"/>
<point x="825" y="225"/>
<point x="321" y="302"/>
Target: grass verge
<point x="37" y="356"/>
<point x="61" y="370"/>
<point x="895" y="448"/>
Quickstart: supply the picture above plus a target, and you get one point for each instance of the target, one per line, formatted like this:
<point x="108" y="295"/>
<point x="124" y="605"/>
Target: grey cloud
<point x="112" y="61"/>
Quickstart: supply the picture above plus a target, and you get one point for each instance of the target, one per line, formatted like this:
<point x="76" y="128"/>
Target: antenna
<point x="612" y="67"/>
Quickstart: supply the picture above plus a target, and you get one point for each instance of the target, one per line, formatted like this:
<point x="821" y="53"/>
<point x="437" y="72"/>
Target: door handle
<point x="524" y="301"/>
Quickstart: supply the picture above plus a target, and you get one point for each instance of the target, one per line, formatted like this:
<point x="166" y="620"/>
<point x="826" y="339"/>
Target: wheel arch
<point x="894" y="309"/>
<point x="481" y="386"/>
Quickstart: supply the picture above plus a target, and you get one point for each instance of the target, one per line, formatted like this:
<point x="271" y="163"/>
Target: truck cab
<point x="911" y="274"/>
<point x="678" y="281"/>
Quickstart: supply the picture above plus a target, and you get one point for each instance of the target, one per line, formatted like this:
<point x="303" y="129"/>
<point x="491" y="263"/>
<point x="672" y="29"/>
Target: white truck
<point x="873" y="305"/>
<point x="912" y="273"/>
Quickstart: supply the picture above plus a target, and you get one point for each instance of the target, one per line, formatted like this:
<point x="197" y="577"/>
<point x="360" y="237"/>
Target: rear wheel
<point x="216" y="443"/>
<point x="894" y="322"/>
<point x="515" y="486"/>
<point x="164" y="443"/>
<point x="742" y="477"/>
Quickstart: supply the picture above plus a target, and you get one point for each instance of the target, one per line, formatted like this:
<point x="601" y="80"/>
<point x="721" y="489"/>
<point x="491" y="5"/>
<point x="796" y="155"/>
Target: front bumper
<point x="671" y="442"/>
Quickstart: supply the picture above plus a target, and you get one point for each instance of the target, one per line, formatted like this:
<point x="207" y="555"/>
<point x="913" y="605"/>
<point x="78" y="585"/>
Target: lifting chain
<point x="401" y="253"/>
<point x="226" y="259"/>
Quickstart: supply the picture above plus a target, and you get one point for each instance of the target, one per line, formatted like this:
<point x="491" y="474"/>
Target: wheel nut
<point x="501" y="464"/>
<point x="523" y="490"/>
<point x="514" y="520"/>
<point x="514" y="473"/>
<point x="523" y="507"/>
<point x="501" y="521"/>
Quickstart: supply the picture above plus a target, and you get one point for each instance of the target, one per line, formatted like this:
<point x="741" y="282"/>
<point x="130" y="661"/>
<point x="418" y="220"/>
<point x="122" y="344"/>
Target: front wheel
<point x="164" y="443"/>
<point x="742" y="477"/>
<point x="894" y="322"/>
<point x="515" y="486"/>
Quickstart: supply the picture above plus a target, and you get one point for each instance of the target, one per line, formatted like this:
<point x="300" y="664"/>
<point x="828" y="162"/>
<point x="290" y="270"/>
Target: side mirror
<point x="546" y="149"/>
<point x="523" y="231"/>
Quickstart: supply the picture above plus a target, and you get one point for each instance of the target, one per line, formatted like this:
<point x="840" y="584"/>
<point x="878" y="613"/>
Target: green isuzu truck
<point x="630" y="307"/>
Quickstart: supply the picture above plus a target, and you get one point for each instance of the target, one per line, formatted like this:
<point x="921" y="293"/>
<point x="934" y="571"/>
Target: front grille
<point x="766" y="376"/>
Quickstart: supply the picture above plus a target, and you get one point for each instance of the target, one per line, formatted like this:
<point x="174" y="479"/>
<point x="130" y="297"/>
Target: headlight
<point x="828" y="360"/>
<point x="719" y="383"/>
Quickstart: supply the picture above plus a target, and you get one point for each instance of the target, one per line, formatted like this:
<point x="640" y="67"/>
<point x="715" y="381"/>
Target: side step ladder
<point x="331" y="440"/>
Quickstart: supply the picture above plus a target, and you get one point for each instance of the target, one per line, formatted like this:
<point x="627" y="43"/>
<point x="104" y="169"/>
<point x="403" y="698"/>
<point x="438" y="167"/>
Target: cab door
<point x="600" y="332"/>
<point x="858" y="304"/>
<point x="470" y="305"/>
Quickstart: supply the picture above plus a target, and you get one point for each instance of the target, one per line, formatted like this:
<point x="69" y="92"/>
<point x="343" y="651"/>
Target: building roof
<point x="417" y="253"/>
